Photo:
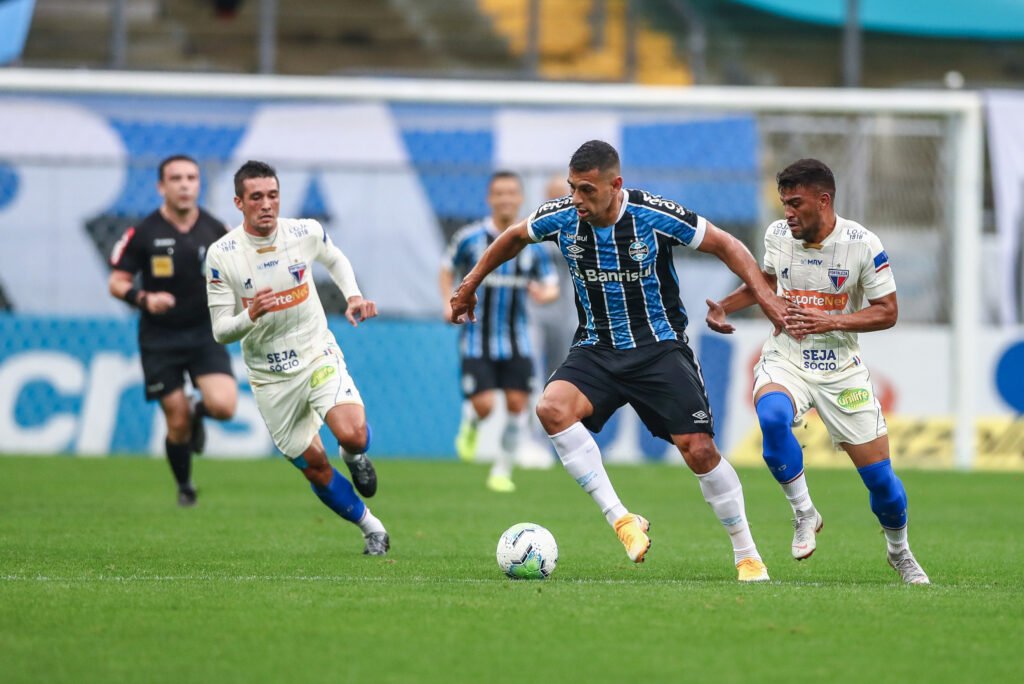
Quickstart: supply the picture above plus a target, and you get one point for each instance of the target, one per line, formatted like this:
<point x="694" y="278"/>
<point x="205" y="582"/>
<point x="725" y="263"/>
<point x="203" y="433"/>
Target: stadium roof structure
<point x="985" y="19"/>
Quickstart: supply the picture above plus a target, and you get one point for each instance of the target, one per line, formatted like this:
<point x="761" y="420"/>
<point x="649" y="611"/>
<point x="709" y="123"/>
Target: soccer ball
<point x="527" y="551"/>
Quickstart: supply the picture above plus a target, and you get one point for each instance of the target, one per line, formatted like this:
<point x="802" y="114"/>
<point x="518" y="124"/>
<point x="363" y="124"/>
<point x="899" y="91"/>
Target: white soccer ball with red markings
<point x="527" y="551"/>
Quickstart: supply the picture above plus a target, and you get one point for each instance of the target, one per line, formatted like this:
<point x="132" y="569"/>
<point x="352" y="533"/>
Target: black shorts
<point x="661" y="381"/>
<point x="164" y="369"/>
<point x="480" y="375"/>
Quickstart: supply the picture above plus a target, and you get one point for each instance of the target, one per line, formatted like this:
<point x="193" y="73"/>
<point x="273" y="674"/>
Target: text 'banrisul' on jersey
<point x="627" y="290"/>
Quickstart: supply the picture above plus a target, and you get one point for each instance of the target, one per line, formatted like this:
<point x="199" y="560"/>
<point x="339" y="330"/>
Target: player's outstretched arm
<point x="510" y="243"/>
<point x="740" y="261"/>
<point x="340" y="269"/>
<point x="737" y="300"/>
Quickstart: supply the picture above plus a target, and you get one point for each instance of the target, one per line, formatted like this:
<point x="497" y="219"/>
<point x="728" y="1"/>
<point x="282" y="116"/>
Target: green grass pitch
<point x="104" y="579"/>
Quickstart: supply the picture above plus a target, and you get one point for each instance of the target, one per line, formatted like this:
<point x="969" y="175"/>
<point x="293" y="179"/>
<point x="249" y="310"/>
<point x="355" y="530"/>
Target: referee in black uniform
<point x="168" y="248"/>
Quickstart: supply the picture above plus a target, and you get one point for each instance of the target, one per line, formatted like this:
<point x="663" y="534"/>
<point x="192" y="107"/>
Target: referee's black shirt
<point x="171" y="261"/>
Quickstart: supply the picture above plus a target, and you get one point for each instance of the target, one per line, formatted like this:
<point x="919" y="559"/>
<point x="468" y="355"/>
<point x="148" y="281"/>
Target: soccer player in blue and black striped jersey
<point x="496" y="351"/>
<point x="631" y="344"/>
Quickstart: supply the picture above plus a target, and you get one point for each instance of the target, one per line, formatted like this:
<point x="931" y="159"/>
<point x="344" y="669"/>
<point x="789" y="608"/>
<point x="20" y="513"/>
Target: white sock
<point x="469" y="416"/>
<point x="582" y="459"/>
<point x="896" y="540"/>
<point x="722" y="490"/>
<point x="369" y="523"/>
<point x="515" y="424"/>
<point x="799" y="497"/>
<point x="347" y="457"/>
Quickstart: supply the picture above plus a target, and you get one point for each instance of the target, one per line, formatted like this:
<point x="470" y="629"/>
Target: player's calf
<point x="887" y="496"/>
<point x="364" y="475"/>
<point x="197" y="439"/>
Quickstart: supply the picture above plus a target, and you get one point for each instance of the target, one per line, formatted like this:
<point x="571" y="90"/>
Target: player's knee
<point x="483" y="404"/>
<point x="178" y="427"/>
<point x="699" y="452"/>
<point x="352" y="438"/>
<point x="554" y="415"/>
<point x="881" y="481"/>
<point x="775" y="415"/>
<point x="220" y="409"/>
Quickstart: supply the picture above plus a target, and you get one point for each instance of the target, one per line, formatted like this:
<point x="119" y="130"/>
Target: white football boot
<point x="805" y="530"/>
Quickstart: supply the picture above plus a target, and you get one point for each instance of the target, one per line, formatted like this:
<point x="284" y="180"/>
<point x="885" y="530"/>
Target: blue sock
<point x="339" y="496"/>
<point x="888" y="498"/>
<point x="369" y="437"/>
<point x="782" y="451"/>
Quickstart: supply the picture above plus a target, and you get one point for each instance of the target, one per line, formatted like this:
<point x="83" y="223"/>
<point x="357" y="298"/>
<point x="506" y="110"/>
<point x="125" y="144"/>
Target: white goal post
<point x="958" y="182"/>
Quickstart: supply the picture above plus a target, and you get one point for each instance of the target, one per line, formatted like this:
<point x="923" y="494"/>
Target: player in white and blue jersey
<point x="496" y="350"/>
<point x="836" y="276"/>
<point x="631" y="344"/>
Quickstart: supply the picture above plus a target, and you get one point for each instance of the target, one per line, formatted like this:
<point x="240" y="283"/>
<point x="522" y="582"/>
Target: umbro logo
<point x="700" y="417"/>
<point x="574" y="249"/>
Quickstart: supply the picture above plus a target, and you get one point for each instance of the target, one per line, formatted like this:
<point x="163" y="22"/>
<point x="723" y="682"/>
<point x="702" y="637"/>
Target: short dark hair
<point x="173" y="158"/>
<point x="594" y="154"/>
<point x="253" y="169"/>
<point x="810" y="173"/>
<point x="504" y="173"/>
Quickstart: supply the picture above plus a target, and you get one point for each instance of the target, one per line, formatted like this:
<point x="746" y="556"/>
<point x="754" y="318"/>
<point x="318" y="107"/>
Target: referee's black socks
<point x="179" y="456"/>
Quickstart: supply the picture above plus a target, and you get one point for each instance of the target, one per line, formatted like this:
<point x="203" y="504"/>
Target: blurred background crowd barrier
<point x="393" y="166"/>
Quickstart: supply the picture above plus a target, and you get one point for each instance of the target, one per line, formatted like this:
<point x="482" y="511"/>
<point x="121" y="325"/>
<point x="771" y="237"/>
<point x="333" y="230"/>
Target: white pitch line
<point x="239" y="579"/>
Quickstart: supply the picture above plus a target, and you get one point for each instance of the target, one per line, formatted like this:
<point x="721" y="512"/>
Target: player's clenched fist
<point x="261" y="303"/>
<point x="463" y="304"/>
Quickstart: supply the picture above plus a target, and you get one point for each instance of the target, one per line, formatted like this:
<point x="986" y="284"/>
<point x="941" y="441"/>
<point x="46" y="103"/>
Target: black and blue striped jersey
<point x="627" y="290"/>
<point x="500" y="331"/>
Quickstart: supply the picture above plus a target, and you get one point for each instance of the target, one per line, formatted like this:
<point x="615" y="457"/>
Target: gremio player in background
<point x="496" y="351"/>
<point x="826" y="266"/>
<point x="168" y="249"/>
<point x="631" y="344"/>
<point x="261" y="291"/>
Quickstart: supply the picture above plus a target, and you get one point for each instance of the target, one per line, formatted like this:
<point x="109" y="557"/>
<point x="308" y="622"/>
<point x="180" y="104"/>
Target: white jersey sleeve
<point x="773" y="246"/>
<point x="876" y="274"/>
<point x="230" y="321"/>
<point x="337" y="264"/>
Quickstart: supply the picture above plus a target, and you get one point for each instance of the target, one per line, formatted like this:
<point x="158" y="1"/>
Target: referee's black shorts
<point x="164" y="369"/>
<point x="661" y="381"/>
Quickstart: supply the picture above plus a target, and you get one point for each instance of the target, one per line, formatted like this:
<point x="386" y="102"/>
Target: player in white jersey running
<point x="826" y="267"/>
<point x="261" y="291"/>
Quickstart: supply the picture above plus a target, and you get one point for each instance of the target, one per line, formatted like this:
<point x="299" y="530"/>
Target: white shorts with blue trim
<point x="294" y="409"/>
<point x="845" y="400"/>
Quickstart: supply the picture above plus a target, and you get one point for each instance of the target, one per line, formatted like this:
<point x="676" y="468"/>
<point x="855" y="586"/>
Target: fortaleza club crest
<point x="838" y="277"/>
<point x="639" y="250"/>
<point x="297" y="270"/>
